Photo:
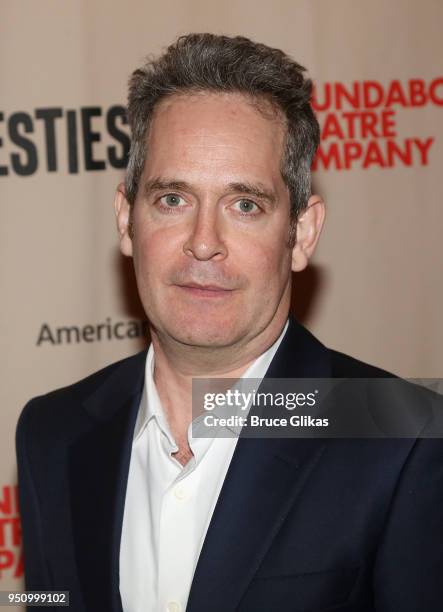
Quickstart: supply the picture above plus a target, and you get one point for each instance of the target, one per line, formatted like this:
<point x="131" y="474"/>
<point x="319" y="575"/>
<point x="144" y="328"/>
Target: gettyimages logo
<point x="360" y="123"/>
<point x="92" y="332"/>
<point x="317" y="408"/>
<point x="11" y="560"/>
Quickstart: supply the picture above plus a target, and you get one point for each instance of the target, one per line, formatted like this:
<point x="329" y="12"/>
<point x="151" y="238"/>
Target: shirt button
<point x="173" y="606"/>
<point x="179" y="493"/>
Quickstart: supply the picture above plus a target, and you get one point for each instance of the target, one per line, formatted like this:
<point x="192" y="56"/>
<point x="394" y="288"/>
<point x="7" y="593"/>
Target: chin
<point x="212" y="334"/>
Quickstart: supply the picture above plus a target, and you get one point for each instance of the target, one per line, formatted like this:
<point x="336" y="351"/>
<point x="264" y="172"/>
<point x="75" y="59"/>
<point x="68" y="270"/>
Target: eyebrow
<point x="158" y="184"/>
<point x="256" y="190"/>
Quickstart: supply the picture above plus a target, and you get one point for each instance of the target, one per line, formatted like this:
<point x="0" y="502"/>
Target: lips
<point x="205" y="287"/>
<point x="206" y="291"/>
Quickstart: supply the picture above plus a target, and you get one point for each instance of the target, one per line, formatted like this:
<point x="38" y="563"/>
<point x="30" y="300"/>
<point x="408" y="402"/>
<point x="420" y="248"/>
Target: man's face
<point x="211" y="221"/>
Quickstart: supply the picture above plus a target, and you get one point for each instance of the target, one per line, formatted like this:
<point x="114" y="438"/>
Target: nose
<point x="205" y="241"/>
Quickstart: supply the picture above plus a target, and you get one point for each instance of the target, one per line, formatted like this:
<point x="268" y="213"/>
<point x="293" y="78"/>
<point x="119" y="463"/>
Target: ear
<point x="123" y="217"/>
<point x="308" y="229"/>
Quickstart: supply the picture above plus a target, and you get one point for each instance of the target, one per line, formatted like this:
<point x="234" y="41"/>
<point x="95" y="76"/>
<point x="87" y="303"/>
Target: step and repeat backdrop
<point x="68" y="299"/>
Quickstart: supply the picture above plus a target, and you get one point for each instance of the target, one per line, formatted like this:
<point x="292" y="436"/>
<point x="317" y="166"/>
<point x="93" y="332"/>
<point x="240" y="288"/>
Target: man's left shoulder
<point x="345" y="366"/>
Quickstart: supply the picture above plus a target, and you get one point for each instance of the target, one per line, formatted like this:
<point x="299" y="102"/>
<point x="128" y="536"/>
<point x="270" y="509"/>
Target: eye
<point x="246" y="207"/>
<point x="171" y="200"/>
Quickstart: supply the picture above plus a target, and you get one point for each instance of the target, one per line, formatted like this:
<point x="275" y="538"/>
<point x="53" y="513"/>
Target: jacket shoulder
<point x="345" y="366"/>
<point x="62" y="403"/>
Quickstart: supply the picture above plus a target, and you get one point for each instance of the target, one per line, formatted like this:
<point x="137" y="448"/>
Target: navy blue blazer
<point x="301" y="525"/>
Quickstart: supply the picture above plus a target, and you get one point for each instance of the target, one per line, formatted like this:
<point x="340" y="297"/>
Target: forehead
<point x="215" y="133"/>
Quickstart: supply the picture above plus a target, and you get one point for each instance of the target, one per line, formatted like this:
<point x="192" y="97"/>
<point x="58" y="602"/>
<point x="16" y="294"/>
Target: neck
<point x="177" y="364"/>
<point x="175" y="360"/>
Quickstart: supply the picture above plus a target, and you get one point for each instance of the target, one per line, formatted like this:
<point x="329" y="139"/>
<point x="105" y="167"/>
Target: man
<point x="120" y="504"/>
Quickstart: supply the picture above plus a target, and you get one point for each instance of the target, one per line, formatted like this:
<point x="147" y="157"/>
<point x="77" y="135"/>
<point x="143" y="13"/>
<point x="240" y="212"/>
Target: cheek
<point x="267" y="263"/>
<point x="153" y="252"/>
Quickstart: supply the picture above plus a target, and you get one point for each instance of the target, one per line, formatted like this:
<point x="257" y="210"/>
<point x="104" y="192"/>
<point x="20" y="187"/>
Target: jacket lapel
<point x="264" y="479"/>
<point x="99" y="464"/>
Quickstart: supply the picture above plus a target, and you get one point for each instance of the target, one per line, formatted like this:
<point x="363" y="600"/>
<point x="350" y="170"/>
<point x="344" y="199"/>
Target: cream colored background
<point x="378" y="267"/>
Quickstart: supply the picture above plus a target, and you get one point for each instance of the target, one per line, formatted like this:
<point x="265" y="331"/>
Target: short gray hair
<point x="208" y="62"/>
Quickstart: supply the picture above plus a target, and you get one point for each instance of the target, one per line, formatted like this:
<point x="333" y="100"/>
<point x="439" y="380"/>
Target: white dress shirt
<point x="168" y="507"/>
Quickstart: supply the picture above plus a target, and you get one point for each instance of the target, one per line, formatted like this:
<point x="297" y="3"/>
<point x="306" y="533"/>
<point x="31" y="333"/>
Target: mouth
<point x="205" y="291"/>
